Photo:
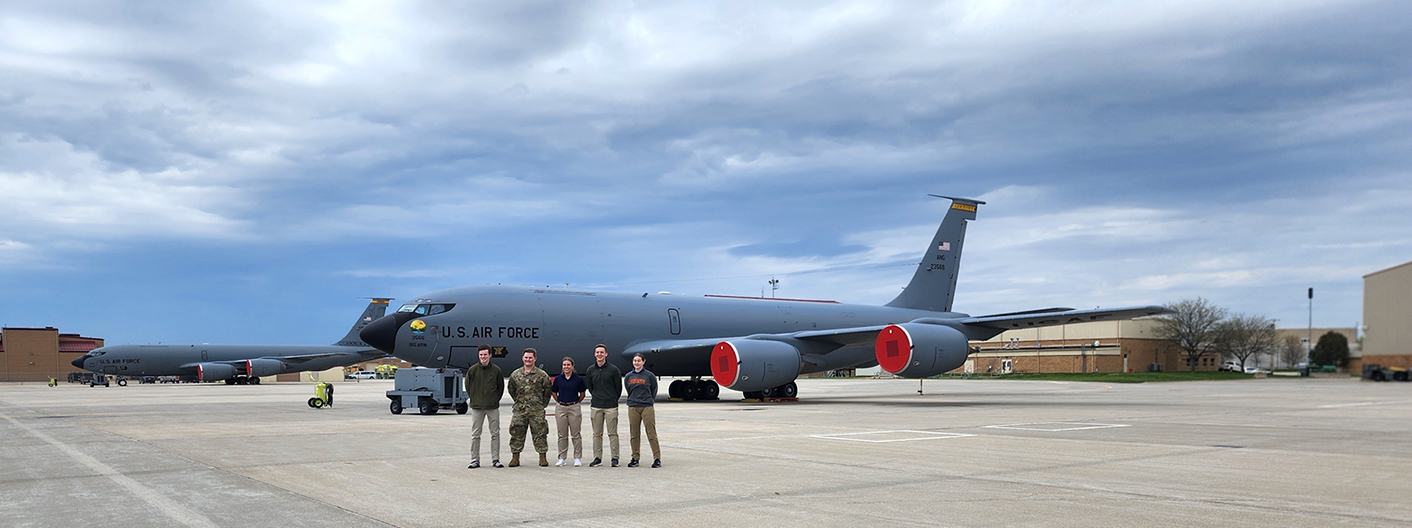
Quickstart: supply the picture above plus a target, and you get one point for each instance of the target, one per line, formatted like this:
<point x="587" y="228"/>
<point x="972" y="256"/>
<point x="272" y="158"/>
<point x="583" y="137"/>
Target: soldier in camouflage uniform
<point x="529" y="388"/>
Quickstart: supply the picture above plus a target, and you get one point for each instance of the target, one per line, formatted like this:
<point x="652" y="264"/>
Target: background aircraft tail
<point x="376" y="308"/>
<point x="933" y="286"/>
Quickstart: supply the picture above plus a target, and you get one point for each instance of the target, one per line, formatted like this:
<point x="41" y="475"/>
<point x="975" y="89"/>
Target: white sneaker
<point x="578" y="463"/>
<point x="560" y="463"/>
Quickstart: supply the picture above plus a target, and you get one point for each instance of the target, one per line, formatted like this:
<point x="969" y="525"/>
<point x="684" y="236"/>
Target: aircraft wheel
<point x="754" y="395"/>
<point x="122" y="383"/>
<point x="254" y="381"/>
<point x="767" y="393"/>
<point x="688" y="391"/>
<point x="788" y="390"/>
<point x="1400" y="376"/>
<point x="230" y="381"/>
<point x="674" y="389"/>
<point x="396" y="405"/>
<point x="425" y="406"/>
<point x="708" y="390"/>
<point x="463" y="408"/>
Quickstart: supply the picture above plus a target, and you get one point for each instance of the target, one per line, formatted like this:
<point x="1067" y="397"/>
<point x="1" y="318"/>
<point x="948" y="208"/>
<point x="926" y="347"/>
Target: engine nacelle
<point x="263" y="367"/>
<point x="214" y="371"/>
<point x="915" y="350"/>
<point x="749" y="365"/>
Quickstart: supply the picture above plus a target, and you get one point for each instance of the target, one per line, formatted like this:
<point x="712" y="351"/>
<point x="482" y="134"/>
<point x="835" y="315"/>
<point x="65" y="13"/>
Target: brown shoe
<point x="514" y="460"/>
<point x="543" y="460"/>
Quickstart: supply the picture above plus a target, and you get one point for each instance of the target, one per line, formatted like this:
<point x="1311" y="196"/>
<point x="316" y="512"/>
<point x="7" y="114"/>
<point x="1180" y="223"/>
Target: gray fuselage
<point x="562" y="323"/>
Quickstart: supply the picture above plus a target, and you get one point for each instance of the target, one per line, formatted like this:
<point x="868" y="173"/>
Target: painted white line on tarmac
<point x="923" y="435"/>
<point x="1359" y="404"/>
<point x="163" y="504"/>
<point x="1065" y="426"/>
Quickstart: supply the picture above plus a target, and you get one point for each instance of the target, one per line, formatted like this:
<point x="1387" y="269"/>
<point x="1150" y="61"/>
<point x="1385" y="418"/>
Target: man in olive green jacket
<point x="485" y="384"/>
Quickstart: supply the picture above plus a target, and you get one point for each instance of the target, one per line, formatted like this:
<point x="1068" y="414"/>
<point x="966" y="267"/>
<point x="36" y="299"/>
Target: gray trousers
<point x="601" y="418"/>
<point x="493" y="416"/>
<point x="568" y="419"/>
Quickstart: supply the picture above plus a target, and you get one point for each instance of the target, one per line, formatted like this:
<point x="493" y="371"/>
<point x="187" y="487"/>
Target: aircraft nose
<point x="78" y="361"/>
<point x="382" y="333"/>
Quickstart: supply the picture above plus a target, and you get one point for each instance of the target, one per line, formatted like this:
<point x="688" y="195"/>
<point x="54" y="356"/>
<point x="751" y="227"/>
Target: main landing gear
<point x="243" y="380"/>
<point x="694" y="389"/>
<point x="788" y="390"/>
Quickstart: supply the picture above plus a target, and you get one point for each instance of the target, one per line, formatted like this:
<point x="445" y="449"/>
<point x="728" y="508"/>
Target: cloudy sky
<point x="244" y="172"/>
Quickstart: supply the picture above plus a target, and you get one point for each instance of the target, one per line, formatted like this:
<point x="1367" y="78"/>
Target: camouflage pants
<point x="538" y="427"/>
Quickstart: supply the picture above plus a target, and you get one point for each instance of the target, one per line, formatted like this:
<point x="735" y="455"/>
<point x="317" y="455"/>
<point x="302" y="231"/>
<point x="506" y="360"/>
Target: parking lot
<point x="1267" y="452"/>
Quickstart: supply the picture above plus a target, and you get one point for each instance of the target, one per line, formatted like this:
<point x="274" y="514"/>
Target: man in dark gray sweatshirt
<point x="605" y="382"/>
<point x="642" y="392"/>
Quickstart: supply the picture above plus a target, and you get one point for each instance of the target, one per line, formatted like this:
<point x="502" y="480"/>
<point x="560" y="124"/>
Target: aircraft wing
<point x="309" y="357"/>
<point x="1047" y="318"/>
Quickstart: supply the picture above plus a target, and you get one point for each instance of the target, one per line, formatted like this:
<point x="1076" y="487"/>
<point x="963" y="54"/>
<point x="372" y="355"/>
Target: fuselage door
<point x="674" y="321"/>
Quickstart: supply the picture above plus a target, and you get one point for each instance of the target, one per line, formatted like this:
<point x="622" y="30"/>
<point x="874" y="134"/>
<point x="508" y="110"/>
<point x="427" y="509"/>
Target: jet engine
<point x="263" y="367"/>
<point x="214" y="371"/>
<point x="916" y="350"/>
<point x="749" y="365"/>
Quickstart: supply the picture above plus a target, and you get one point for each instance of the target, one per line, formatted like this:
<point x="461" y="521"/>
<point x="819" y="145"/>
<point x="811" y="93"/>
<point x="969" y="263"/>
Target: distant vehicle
<point x="362" y="375"/>
<point x="234" y="364"/>
<point x="1253" y="370"/>
<point x="1229" y="366"/>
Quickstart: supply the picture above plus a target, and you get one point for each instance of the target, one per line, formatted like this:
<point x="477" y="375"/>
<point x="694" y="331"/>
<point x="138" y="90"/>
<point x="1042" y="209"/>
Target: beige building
<point x="1103" y="346"/>
<point x="35" y="354"/>
<point x="1387" y="318"/>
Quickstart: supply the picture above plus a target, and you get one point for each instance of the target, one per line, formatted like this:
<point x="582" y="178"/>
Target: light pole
<point x="774" y="285"/>
<point x="1310" y="352"/>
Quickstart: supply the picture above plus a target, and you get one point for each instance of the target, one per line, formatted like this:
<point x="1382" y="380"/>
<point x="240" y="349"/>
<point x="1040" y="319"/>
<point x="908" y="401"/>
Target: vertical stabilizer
<point x="377" y="307"/>
<point x="933" y="286"/>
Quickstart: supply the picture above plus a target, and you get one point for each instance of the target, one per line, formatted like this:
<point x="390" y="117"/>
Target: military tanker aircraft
<point x="235" y="364"/>
<point x="755" y="345"/>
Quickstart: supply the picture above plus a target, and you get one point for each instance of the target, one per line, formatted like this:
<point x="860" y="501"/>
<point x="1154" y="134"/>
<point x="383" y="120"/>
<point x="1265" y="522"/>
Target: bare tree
<point x="1192" y="329"/>
<point x="1292" y="351"/>
<point x="1244" y="336"/>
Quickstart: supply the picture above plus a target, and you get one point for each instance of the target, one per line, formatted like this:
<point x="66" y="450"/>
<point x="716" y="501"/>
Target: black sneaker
<point x="496" y="463"/>
<point x="474" y="464"/>
<point x="615" y="462"/>
<point x="596" y="462"/>
<point x="632" y="463"/>
<point x="656" y="463"/>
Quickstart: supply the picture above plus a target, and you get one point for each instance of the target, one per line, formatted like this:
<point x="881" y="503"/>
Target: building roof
<point x="1385" y="270"/>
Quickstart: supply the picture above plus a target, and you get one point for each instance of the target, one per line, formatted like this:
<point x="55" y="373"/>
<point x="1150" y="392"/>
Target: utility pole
<point x="774" y="285"/>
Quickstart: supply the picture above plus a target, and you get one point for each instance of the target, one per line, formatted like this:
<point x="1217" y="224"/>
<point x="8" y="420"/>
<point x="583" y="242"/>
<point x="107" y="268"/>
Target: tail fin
<point x="376" y="309"/>
<point x="933" y="286"/>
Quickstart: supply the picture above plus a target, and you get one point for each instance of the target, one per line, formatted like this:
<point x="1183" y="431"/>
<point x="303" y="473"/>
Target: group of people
<point x="531" y="389"/>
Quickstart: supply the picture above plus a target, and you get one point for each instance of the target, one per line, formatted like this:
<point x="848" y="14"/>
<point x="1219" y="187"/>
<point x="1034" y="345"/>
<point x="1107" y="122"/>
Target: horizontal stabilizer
<point x="1023" y="320"/>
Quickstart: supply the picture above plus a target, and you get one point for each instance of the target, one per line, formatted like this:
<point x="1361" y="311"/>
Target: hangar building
<point x="1387" y="318"/>
<point x="1101" y="346"/>
<point x="34" y="354"/>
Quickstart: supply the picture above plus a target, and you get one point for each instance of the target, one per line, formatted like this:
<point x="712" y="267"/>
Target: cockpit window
<point x="425" y="309"/>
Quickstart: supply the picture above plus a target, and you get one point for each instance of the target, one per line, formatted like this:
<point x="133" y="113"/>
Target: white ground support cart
<point x="429" y="390"/>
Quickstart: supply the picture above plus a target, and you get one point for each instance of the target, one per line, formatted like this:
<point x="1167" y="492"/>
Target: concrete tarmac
<point x="854" y="452"/>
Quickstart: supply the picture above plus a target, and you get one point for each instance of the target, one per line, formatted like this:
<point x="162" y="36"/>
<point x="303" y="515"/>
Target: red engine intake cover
<point x="893" y="348"/>
<point x="725" y="364"/>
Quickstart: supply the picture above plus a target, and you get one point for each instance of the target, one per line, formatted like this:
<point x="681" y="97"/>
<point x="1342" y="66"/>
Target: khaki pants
<point x="567" y="421"/>
<point x="646" y="417"/>
<point x="492" y="416"/>
<point x="601" y="417"/>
